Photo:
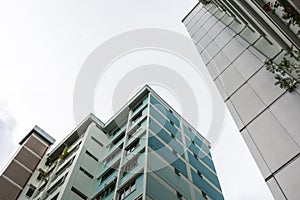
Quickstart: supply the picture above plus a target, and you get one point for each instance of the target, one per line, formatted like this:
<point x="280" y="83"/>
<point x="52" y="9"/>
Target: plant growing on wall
<point x="289" y="12"/>
<point x="287" y="72"/>
<point x="42" y="175"/>
<point x="64" y="154"/>
<point x="205" y="2"/>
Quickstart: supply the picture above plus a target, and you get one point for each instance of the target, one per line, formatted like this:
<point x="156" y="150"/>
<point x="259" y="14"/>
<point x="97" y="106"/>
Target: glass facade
<point x="160" y="151"/>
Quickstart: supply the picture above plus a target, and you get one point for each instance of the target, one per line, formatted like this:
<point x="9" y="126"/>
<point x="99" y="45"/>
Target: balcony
<point x="135" y="134"/>
<point x="110" y="196"/>
<point x="136" y="151"/>
<point x="119" y="145"/>
<point x="108" y="180"/>
<point x="129" y="175"/>
<point x="118" y="133"/>
<point x="139" y="108"/>
<point x="111" y="163"/>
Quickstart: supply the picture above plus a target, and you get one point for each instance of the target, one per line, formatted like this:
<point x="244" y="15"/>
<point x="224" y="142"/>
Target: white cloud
<point x="7" y="128"/>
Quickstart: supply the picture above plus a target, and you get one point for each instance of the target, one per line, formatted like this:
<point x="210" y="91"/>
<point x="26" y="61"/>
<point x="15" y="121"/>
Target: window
<point x="30" y="191"/>
<point x="97" y="141"/>
<point x="195" y="155"/>
<point x="172" y="123"/>
<point x="132" y="147"/>
<point x="108" y="173"/>
<point x="117" y="140"/>
<point x="137" y="106"/>
<point x="139" y="197"/>
<point x="179" y="195"/>
<point x="177" y="171"/>
<point x="114" y="154"/>
<point x="132" y="163"/>
<point x="136" y="117"/>
<point x="48" y="162"/>
<point x="74" y="149"/>
<point x="204" y="195"/>
<point x="175" y="152"/>
<point x="64" y="167"/>
<point x="91" y="155"/>
<point x="55" y="197"/>
<point x="133" y="131"/>
<point x="115" y="131"/>
<point x="106" y="192"/>
<point x="200" y="174"/>
<point x="40" y="176"/>
<point x="127" y="190"/>
<point x="86" y="173"/>
<point x="57" y="184"/>
<point x="42" y="173"/>
<point x="43" y="186"/>
<point x="80" y="194"/>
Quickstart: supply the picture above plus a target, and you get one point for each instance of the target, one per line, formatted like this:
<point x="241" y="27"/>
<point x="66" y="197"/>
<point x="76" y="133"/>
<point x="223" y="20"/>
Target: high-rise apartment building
<point x="234" y="39"/>
<point x="145" y="151"/>
<point x="14" y="177"/>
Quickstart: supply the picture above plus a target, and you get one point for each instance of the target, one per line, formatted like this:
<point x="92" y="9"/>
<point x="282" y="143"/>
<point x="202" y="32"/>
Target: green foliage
<point x="287" y="72"/>
<point x="290" y="14"/>
<point x="205" y="2"/>
<point x="64" y="154"/>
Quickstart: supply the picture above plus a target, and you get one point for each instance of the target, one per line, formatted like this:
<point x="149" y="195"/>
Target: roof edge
<point x="41" y="133"/>
<point x="190" y="11"/>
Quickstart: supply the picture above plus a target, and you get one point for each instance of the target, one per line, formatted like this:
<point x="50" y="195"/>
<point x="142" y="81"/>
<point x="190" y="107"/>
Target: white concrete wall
<point x="267" y="116"/>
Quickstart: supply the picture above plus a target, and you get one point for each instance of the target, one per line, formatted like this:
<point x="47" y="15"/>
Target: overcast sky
<point x="43" y="46"/>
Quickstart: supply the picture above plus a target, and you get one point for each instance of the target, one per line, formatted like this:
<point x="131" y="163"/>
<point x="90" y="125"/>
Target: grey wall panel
<point x="263" y="84"/>
<point x="275" y="189"/>
<point x="247" y="103"/>
<point x="235" y="115"/>
<point x="256" y="154"/>
<point x="224" y="37"/>
<point x="231" y="79"/>
<point x="274" y="143"/>
<point x="221" y="61"/>
<point x="288" y="180"/>
<point x="247" y="64"/>
<point x="266" y="48"/>
<point x="287" y="111"/>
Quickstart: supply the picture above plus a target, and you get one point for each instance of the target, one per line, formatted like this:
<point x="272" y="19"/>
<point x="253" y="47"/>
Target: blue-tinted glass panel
<point x="157" y="116"/>
<point x="153" y="186"/>
<point x="173" y="130"/>
<point x="163" y="121"/>
<point x="162" y="108"/>
<point x="196" y="139"/>
<point x="204" y="186"/>
<point x="199" y="195"/>
<point x="201" y="155"/>
<point x="204" y="170"/>
<point x="166" y="137"/>
<point x="169" y="176"/>
<point x="188" y="132"/>
<point x="173" y="118"/>
<point x="201" y="144"/>
<point x="167" y="154"/>
<point x="181" y="166"/>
